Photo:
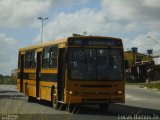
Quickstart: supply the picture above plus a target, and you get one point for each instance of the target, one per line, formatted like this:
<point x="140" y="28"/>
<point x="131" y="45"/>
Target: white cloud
<point x="118" y="9"/>
<point x="122" y="18"/>
<point x="16" y="13"/>
<point x="143" y="43"/>
<point x="20" y="12"/>
<point x="132" y="10"/>
<point x="64" y="25"/>
<point x="8" y="54"/>
<point x="132" y="20"/>
<point x="90" y="20"/>
<point x="152" y="3"/>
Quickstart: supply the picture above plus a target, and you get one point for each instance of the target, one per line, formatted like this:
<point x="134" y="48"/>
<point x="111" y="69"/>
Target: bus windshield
<point x="95" y="64"/>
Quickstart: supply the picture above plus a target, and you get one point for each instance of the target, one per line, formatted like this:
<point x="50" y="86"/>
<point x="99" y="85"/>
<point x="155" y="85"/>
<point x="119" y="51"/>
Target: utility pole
<point x="134" y="52"/>
<point x="42" y="19"/>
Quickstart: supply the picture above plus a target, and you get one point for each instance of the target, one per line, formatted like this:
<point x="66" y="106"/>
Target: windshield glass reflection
<point x="95" y="64"/>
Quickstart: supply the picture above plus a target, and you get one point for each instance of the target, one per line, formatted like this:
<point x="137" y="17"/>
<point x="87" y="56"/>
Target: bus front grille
<point x="95" y="100"/>
<point x="98" y="93"/>
<point x="99" y="86"/>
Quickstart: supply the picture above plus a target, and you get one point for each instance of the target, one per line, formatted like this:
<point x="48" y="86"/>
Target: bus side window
<point x="53" y="57"/>
<point x="27" y="59"/>
<point x="45" y="58"/>
<point x="32" y="59"/>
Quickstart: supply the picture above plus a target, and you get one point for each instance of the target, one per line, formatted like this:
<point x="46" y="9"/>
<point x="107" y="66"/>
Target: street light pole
<point x="40" y="18"/>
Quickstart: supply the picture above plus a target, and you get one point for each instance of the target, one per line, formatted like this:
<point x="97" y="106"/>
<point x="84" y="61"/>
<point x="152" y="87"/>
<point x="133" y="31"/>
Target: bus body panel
<point x="18" y="85"/>
<point x="71" y="90"/>
<point x="45" y="90"/>
<point x="95" y="92"/>
<point x="31" y="84"/>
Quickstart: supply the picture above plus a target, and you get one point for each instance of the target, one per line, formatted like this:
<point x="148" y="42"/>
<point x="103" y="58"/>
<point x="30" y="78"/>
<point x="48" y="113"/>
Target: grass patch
<point x="152" y="86"/>
<point x="141" y="84"/>
<point x="7" y="80"/>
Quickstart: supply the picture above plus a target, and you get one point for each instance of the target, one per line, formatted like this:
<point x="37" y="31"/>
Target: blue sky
<point x="131" y="20"/>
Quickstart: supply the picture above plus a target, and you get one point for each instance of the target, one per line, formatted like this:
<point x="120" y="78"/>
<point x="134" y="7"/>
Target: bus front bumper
<point x="95" y="100"/>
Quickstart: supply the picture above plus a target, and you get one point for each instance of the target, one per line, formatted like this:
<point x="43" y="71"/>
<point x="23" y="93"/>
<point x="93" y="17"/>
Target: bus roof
<point x="63" y="40"/>
<point x="96" y="37"/>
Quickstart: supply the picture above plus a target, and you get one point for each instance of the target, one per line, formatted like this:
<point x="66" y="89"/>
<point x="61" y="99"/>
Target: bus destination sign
<point x="97" y="42"/>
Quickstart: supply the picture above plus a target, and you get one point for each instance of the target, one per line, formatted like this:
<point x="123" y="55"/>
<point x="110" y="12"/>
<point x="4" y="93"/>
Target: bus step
<point x="38" y="98"/>
<point x="60" y="101"/>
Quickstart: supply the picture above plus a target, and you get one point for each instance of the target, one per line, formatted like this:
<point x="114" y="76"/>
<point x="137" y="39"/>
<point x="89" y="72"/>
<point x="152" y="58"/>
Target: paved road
<point x="142" y="97"/>
<point x="139" y="101"/>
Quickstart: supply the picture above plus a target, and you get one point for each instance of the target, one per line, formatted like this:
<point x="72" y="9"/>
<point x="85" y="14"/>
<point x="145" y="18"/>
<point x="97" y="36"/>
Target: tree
<point x="1" y="75"/>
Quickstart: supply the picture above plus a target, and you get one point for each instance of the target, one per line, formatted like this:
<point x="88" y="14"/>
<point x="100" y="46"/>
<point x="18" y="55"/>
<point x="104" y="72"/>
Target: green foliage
<point x="152" y="86"/>
<point x="1" y="75"/>
<point x="7" y="80"/>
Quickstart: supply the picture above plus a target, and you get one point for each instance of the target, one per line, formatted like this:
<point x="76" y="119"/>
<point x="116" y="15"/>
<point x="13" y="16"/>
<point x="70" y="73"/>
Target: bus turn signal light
<point x="120" y="92"/>
<point x="70" y="92"/>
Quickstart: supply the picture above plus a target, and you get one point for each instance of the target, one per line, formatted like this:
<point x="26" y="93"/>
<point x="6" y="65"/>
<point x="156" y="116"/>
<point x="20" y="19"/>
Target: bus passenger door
<point x="38" y="70"/>
<point x="61" y="74"/>
<point x="21" y="72"/>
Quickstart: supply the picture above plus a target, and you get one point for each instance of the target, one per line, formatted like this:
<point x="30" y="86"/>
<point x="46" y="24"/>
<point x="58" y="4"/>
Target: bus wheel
<point x="71" y="108"/>
<point x="54" y="102"/>
<point x="103" y="107"/>
<point x="55" y="105"/>
<point x="31" y="99"/>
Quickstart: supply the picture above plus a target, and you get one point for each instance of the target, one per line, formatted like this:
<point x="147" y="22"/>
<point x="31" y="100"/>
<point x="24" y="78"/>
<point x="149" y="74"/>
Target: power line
<point x="153" y="40"/>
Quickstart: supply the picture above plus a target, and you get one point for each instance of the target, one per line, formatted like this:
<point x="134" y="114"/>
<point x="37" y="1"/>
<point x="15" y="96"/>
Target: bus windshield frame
<point x="97" y="64"/>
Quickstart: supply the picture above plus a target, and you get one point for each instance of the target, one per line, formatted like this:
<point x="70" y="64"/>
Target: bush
<point x="7" y="80"/>
<point x="152" y="86"/>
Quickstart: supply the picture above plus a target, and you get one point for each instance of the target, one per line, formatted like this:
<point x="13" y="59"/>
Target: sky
<point x="130" y="20"/>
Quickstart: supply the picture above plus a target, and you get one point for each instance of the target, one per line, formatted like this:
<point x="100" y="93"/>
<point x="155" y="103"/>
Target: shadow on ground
<point x="10" y="95"/>
<point x="116" y="109"/>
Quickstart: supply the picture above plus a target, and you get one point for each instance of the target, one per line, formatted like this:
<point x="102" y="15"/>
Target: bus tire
<point x="103" y="107"/>
<point x="54" y="102"/>
<point x="31" y="99"/>
<point x="71" y="108"/>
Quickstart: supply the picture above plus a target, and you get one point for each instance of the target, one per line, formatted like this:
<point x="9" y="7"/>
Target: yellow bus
<point x="73" y="71"/>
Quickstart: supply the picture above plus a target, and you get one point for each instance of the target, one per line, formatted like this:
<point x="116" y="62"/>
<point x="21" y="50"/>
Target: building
<point x="136" y="66"/>
<point x="136" y="58"/>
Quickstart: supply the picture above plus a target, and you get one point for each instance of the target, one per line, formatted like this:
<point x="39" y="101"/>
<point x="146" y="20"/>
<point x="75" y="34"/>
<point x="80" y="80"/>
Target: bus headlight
<point x="120" y="92"/>
<point x="70" y="92"/>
